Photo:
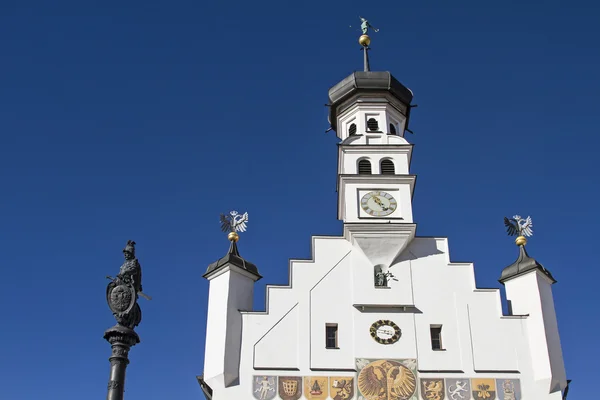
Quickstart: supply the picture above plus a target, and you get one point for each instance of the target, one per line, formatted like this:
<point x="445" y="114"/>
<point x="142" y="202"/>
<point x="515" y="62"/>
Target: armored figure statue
<point x="122" y="292"/>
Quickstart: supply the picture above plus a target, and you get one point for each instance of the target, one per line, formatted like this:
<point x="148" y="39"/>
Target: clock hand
<point x="380" y="203"/>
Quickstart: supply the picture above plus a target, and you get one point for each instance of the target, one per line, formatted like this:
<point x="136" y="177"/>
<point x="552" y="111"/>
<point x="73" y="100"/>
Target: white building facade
<point x="379" y="313"/>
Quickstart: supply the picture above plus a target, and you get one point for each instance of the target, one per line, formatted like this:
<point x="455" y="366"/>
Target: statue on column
<point x="123" y="290"/>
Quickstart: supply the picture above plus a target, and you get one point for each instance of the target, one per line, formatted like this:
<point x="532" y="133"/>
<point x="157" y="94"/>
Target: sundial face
<point x="378" y="203"/>
<point x="385" y="331"/>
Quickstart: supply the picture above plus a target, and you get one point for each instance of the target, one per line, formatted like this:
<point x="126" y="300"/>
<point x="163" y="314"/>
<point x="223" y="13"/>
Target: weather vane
<point x="520" y="227"/>
<point x="234" y="223"/>
<point x="365" y="40"/>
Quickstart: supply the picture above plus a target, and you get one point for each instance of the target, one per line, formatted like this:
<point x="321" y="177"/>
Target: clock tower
<point x="369" y="111"/>
<point x="378" y="313"/>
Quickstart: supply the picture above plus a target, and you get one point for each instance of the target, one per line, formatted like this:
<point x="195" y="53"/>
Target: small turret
<point x="231" y="290"/>
<point x="529" y="292"/>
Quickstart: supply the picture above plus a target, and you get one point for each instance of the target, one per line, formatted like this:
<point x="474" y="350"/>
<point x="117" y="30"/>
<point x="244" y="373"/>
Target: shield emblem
<point x="121" y="298"/>
<point x="290" y="387"/>
<point x="508" y="389"/>
<point x="458" y="389"/>
<point x="316" y="387"/>
<point x="483" y="389"/>
<point x="341" y="387"/>
<point x="432" y="389"/>
<point x="264" y="387"/>
<point x="387" y="379"/>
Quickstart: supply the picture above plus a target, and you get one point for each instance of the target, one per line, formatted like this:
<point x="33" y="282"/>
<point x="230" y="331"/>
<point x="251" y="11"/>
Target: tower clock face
<point x="378" y="203"/>
<point x="385" y="331"/>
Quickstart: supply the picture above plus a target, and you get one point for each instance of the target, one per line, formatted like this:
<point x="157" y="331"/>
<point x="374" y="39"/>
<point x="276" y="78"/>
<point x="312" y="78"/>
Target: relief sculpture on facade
<point x="387" y="379"/>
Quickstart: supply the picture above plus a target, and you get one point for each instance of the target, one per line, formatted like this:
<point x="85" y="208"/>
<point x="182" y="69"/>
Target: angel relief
<point x="386" y="380"/>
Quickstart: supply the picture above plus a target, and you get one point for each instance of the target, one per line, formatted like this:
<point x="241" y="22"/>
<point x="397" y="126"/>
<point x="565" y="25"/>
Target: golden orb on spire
<point x="233" y="237"/>
<point x="364" y="40"/>
<point x="521" y="241"/>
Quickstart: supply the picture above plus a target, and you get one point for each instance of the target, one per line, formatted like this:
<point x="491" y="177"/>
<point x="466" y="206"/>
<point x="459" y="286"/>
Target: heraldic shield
<point x="290" y="387"/>
<point x="264" y="387"/>
<point x="121" y="298"/>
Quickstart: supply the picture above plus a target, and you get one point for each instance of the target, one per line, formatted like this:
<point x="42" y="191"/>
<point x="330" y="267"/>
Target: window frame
<point x="435" y="332"/>
<point x="335" y="339"/>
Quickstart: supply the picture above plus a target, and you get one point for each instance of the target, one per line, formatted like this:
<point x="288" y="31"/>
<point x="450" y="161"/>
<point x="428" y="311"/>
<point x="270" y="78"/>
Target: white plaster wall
<point x="329" y="299"/>
<point x="229" y="292"/>
<point x="289" y="338"/>
<point x="350" y="161"/>
<point x="399" y="292"/>
<point x="532" y="294"/>
<point x="359" y="113"/>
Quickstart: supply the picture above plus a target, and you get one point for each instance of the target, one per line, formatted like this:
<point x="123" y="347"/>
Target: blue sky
<point x="145" y="120"/>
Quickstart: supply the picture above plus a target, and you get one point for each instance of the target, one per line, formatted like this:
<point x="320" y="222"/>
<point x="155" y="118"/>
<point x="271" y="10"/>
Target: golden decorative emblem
<point x="386" y="379"/>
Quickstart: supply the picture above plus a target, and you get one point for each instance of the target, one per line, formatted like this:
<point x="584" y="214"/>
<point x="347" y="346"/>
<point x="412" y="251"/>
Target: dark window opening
<point x="392" y="129"/>
<point x="331" y="336"/>
<point x="436" y="337"/>
<point x="352" y="129"/>
<point x="387" y="167"/>
<point x="372" y="124"/>
<point x="364" y="167"/>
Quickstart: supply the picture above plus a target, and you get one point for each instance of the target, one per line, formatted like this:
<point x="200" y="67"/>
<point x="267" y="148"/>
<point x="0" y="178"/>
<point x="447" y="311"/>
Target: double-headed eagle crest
<point x="517" y="226"/>
<point x="234" y="222"/>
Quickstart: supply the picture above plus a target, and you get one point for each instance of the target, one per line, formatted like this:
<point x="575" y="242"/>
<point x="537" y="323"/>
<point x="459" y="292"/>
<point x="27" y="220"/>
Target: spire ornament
<point x="520" y="227"/>
<point x="364" y="40"/>
<point x="234" y="223"/>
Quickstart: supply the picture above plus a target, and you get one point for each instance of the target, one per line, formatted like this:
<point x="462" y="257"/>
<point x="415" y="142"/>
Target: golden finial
<point x="364" y="40"/>
<point x="234" y="223"/>
<point x="521" y="241"/>
<point x="233" y="237"/>
<point x="519" y="226"/>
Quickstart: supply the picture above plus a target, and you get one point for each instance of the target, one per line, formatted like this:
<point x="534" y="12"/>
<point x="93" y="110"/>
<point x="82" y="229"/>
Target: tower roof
<point x="233" y="257"/>
<point x="367" y="82"/>
<point x="522" y="265"/>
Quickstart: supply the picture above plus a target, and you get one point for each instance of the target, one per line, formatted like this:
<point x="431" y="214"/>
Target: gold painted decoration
<point x="483" y="389"/>
<point x="432" y="389"/>
<point x="387" y="379"/>
<point x="290" y="387"/>
<point x="316" y="387"/>
<point x="341" y="387"/>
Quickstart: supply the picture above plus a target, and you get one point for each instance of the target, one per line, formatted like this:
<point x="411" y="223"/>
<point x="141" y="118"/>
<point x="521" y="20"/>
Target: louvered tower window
<point x="364" y="167"/>
<point x="387" y="167"/>
<point x="392" y="129"/>
<point x="352" y="129"/>
<point x="372" y="124"/>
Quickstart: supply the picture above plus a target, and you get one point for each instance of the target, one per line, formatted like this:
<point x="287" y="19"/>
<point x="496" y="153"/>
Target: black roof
<point x="522" y="265"/>
<point x="233" y="257"/>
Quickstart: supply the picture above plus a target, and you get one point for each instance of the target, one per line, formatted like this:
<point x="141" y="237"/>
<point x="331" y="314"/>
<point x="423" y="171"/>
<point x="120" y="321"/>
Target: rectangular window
<point x="331" y="336"/>
<point x="436" y="337"/>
